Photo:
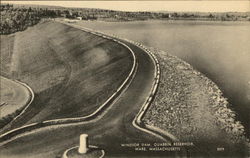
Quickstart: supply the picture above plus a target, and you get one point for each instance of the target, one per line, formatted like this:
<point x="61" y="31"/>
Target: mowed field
<point x="70" y="71"/>
<point x="14" y="97"/>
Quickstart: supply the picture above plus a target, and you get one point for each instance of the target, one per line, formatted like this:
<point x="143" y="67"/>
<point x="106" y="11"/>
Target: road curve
<point x="20" y="99"/>
<point x="109" y="132"/>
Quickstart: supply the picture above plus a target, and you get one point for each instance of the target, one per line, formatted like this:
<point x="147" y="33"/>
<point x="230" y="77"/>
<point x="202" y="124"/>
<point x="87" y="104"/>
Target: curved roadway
<point x="14" y="96"/>
<point x="108" y="132"/>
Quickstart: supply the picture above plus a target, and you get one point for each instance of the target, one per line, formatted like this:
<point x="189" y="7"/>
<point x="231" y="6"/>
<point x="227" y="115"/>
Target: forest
<point x="15" y="19"/>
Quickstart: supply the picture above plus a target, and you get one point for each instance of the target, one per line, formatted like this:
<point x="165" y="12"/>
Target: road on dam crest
<point x="113" y="129"/>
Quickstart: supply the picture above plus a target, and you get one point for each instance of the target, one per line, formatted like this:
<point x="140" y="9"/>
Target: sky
<point x="193" y="6"/>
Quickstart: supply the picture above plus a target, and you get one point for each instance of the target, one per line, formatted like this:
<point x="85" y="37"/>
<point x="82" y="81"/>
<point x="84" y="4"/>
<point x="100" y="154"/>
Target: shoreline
<point x="210" y="47"/>
<point x="190" y="118"/>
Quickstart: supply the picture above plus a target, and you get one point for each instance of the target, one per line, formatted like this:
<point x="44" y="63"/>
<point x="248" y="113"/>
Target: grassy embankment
<point x="70" y="71"/>
<point x="14" y="98"/>
<point x="192" y="108"/>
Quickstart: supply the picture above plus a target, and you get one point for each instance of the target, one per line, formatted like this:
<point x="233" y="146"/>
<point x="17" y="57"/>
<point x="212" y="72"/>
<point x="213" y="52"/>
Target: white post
<point x="83" y="148"/>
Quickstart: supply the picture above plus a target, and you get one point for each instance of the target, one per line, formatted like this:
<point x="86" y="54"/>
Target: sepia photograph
<point x="121" y="79"/>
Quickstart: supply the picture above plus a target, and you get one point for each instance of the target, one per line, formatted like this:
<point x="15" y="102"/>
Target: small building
<point x="79" y="18"/>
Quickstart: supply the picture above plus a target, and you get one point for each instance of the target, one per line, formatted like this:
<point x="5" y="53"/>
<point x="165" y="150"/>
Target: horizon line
<point x="147" y="6"/>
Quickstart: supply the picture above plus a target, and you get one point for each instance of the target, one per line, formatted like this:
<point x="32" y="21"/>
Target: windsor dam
<point x="60" y="79"/>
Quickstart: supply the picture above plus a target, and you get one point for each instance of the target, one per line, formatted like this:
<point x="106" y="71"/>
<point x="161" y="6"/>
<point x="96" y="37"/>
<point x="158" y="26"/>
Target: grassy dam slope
<point x="15" y="96"/>
<point x="70" y="71"/>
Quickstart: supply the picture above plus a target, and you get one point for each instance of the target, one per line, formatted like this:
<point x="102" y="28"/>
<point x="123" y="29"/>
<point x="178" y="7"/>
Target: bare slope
<point x="71" y="72"/>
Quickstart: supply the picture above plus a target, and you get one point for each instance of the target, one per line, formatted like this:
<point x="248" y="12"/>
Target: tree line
<point x="18" y="18"/>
